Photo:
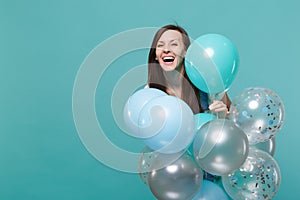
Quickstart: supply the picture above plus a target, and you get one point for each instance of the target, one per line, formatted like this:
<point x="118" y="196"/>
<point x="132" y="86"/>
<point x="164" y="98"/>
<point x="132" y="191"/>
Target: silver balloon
<point x="220" y="147"/>
<point x="179" y="180"/>
<point x="258" y="178"/>
<point x="268" y="146"/>
<point x="259" y="112"/>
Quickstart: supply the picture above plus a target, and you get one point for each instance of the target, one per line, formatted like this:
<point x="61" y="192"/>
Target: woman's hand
<point x="218" y="106"/>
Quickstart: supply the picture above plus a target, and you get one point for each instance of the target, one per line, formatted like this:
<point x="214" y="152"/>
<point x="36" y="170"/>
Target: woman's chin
<point x="168" y="66"/>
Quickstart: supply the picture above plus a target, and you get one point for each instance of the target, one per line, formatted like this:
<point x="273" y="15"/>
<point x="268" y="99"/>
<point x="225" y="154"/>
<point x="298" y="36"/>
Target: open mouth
<point x="168" y="59"/>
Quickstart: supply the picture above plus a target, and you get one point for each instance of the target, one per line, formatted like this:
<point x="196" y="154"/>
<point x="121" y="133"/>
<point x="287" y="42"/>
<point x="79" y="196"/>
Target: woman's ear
<point x="184" y="53"/>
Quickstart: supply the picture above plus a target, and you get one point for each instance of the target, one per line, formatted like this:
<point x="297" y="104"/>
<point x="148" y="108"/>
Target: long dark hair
<point x="156" y="79"/>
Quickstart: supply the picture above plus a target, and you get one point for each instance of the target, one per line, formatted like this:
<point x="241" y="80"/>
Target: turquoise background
<point x="42" y="45"/>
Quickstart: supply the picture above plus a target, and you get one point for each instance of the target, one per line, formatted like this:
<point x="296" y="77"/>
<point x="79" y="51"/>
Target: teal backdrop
<point x="42" y="46"/>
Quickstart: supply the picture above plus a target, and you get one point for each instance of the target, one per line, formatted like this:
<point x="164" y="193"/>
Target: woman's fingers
<point x="218" y="106"/>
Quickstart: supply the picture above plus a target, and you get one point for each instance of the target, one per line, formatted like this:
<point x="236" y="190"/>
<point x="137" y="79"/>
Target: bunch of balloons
<point x="181" y="146"/>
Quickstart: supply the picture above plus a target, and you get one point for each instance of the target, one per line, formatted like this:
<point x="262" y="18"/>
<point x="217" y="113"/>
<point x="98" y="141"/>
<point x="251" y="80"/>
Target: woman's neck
<point x="174" y="82"/>
<point x="173" y="78"/>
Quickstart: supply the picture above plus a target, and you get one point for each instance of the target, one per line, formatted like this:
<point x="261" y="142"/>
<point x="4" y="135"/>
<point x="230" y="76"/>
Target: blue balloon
<point x="203" y="118"/>
<point x="133" y="107"/>
<point x="210" y="191"/>
<point x="211" y="63"/>
<point x="171" y="120"/>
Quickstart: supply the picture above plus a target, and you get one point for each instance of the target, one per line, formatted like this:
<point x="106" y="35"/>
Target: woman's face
<point x="170" y="50"/>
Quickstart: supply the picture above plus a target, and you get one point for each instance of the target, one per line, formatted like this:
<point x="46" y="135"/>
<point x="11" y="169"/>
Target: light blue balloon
<point x="133" y="107"/>
<point x="175" y="127"/>
<point x="203" y="118"/>
<point x="211" y="63"/>
<point x="210" y="191"/>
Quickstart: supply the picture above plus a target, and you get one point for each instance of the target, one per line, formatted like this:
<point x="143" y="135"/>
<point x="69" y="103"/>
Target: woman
<point x="166" y="71"/>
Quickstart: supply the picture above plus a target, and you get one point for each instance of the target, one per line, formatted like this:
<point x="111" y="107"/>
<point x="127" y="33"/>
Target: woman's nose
<point x="166" y="50"/>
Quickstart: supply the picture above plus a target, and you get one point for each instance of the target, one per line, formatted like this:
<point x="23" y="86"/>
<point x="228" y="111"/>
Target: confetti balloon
<point x="257" y="179"/>
<point x="150" y="160"/>
<point x="146" y="159"/>
<point x="259" y="112"/>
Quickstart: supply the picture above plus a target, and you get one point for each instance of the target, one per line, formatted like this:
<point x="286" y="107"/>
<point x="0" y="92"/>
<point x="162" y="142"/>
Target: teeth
<point x="168" y="59"/>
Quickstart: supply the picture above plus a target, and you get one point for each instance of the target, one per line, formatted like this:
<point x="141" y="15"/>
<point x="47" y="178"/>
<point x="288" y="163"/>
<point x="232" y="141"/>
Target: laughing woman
<point x="166" y="70"/>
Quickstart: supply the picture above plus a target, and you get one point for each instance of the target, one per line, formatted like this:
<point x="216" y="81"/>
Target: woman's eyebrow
<point x="172" y="40"/>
